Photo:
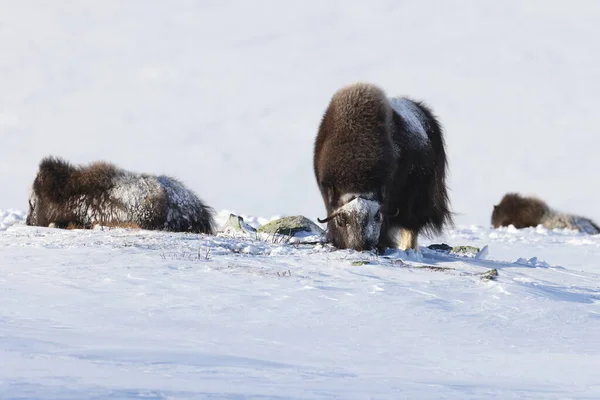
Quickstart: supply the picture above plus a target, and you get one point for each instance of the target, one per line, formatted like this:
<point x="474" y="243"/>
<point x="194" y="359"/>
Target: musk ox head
<point x="520" y="211"/>
<point x="355" y="225"/>
<point x="33" y="213"/>
<point x="52" y="185"/>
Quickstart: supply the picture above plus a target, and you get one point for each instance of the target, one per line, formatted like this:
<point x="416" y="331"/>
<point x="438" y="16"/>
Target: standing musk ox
<point x="64" y="196"/>
<point x="381" y="167"/>
<point x="524" y="212"/>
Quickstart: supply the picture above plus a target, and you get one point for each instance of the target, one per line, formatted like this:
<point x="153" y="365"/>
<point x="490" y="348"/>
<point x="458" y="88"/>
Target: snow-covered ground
<point x="138" y="314"/>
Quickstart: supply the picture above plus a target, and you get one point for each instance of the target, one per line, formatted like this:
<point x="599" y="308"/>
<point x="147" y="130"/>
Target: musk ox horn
<point x="391" y="214"/>
<point x="391" y="149"/>
<point x="329" y="218"/>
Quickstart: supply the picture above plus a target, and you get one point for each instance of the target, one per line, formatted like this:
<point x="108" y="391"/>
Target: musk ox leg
<point x="408" y="239"/>
<point x="65" y="225"/>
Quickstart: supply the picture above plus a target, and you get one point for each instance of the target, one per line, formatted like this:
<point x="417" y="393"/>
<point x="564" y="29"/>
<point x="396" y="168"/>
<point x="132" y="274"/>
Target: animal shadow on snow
<point x="32" y="391"/>
<point x="571" y="294"/>
<point x="538" y="287"/>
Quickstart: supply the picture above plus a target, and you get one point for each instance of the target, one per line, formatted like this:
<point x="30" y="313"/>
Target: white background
<point x="228" y="95"/>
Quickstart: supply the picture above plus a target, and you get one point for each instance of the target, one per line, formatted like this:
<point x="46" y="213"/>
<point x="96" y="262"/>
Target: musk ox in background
<point x="381" y="167"/>
<point x="523" y="212"/>
<point x="64" y="196"/>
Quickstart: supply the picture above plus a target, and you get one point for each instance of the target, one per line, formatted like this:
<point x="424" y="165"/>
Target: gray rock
<point x="292" y="226"/>
<point x="360" y="263"/>
<point x="236" y="224"/>
<point x="468" y="251"/>
<point x="490" y="275"/>
<point x="443" y="248"/>
<point x="435" y="268"/>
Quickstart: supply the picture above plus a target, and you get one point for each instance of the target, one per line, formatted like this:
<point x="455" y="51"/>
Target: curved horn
<point x="329" y="218"/>
<point x="389" y="214"/>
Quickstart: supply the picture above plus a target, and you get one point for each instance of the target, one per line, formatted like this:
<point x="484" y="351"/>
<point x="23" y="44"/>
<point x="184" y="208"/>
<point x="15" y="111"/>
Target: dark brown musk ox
<point x="64" y="195"/>
<point x="523" y="212"/>
<point x="380" y="165"/>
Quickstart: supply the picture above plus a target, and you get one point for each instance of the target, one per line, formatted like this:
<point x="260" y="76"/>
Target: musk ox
<point x="64" y="195"/>
<point x="381" y="168"/>
<point x="523" y="212"/>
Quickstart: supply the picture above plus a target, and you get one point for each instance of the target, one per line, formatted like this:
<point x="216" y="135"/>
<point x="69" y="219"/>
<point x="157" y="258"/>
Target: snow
<point x="226" y="96"/>
<point x="121" y="313"/>
<point x="10" y="217"/>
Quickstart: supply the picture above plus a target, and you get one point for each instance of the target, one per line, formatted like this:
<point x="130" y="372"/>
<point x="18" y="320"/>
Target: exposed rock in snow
<point x="297" y="225"/>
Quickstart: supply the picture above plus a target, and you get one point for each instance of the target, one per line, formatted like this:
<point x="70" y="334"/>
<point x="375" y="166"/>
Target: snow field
<point x="140" y="314"/>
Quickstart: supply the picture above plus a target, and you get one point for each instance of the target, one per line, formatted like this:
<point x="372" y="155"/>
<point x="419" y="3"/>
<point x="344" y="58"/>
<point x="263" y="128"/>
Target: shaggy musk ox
<point x="523" y="212"/>
<point x="64" y="196"/>
<point x="381" y="167"/>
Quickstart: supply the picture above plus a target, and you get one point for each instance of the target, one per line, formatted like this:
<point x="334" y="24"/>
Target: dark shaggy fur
<point x="524" y="212"/>
<point x="366" y="146"/>
<point x="64" y="195"/>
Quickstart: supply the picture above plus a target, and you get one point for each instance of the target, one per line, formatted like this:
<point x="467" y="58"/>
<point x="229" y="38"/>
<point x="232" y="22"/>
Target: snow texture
<point x="227" y="97"/>
<point x="124" y="314"/>
<point x="10" y="217"/>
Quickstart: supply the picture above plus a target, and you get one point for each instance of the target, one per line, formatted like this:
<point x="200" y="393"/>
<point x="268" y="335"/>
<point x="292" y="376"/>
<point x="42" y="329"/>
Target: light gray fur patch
<point x="348" y="197"/>
<point x="182" y="202"/>
<point x="415" y="119"/>
<point x="33" y="209"/>
<point x="133" y="192"/>
<point x="557" y="220"/>
<point x="361" y="209"/>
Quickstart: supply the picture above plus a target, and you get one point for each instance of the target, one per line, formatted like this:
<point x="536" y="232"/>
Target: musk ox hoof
<point x="389" y="152"/>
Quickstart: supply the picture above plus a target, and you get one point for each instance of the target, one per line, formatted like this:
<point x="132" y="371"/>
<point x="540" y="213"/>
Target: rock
<point x="468" y="251"/>
<point x="492" y="274"/>
<point x="444" y="248"/>
<point x="359" y="263"/>
<point x="292" y="226"/>
<point x="236" y="224"/>
<point x="434" y="268"/>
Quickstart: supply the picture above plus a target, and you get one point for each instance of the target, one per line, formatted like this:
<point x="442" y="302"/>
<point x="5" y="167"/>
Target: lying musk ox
<point x="523" y="212"/>
<point x="381" y="167"/>
<point x="64" y="196"/>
